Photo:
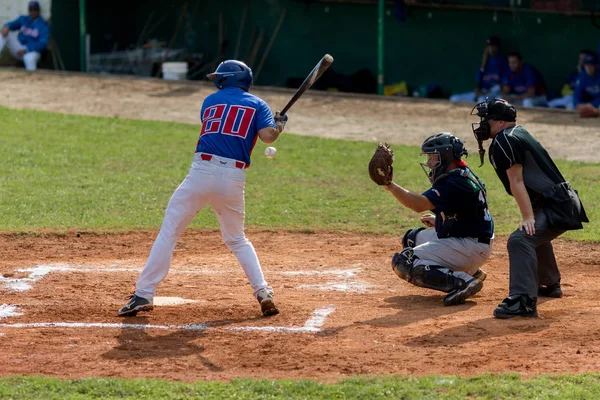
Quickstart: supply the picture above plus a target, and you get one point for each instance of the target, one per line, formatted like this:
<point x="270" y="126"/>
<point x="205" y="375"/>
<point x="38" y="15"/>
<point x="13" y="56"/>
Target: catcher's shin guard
<point x="410" y="237"/>
<point x="459" y="285"/>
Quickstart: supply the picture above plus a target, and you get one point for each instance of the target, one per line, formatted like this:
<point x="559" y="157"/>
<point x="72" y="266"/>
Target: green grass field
<point x="489" y="386"/>
<point x="62" y="171"/>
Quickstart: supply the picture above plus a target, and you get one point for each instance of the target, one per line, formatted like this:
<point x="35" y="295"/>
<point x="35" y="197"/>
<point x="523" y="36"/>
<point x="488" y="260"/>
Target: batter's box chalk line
<point x="9" y="310"/>
<point x="349" y="282"/>
<point x="344" y="279"/>
<point x="313" y="325"/>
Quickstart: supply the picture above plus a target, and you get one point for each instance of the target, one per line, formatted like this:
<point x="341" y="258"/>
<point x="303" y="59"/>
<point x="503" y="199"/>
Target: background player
<point x="31" y="41"/>
<point x="232" y="121"/>
<point x="447" y="257"/>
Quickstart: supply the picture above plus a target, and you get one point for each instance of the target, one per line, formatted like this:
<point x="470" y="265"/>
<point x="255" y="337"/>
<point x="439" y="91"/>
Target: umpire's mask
<point x="494" y="109"/>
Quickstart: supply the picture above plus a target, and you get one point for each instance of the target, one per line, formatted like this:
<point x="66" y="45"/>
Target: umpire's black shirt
<point x="516" y="146"/>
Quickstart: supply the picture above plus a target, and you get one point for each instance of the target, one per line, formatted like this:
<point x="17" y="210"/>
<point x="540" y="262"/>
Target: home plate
<point x="172" y="301"/>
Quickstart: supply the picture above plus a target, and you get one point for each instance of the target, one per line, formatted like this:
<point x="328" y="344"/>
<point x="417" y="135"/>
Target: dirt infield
<point x="405" y="121"/>
<point x="343" y="312"/>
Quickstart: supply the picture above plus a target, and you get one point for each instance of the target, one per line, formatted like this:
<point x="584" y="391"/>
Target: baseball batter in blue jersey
<point x="232" y="121"/>
<point x="448" y="256"/>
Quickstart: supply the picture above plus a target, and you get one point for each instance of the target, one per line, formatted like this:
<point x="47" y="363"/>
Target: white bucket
<point x="174" y="70"/>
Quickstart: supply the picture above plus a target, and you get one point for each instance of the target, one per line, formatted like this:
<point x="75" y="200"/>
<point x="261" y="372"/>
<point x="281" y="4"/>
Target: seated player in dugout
<point x="494" y="67"/>
<point x="587" y="91"/>
<point x="567" y="99"/>
<point x="26" y="37"/>
<point x="523" y="85"/>
<point x="457" y="241"/>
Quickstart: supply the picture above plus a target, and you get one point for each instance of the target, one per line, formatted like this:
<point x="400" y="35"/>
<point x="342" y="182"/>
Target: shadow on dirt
<point x="135" y="344"/>
<point x="412" y="309"/>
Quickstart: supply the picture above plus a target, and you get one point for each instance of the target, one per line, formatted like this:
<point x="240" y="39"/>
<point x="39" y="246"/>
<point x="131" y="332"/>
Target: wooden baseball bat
<point x="316" y="72"/>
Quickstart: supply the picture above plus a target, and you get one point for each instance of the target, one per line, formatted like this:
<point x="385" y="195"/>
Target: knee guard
<point x="402" y="263"/>
<point x="410" y="237"/>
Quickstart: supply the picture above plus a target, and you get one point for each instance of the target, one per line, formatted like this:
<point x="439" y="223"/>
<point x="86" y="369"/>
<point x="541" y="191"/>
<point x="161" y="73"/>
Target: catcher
<point x="458" y="241"/>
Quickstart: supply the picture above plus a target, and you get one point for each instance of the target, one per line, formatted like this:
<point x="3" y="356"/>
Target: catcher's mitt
<point x="380" y="166"/>
<point x="588" y="111"/>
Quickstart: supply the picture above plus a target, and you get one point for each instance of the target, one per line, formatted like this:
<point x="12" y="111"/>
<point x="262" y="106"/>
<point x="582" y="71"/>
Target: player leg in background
<point x="495" y="91"/>
<point x="469" y="96"/>
<point x="30" y="59"/>
<point x="565" y="101"/>
<point x="187" y="200"/>
<point x="13" y="45"/>
<point x="537" y="101"/>
<point x="230" y="210"/>
<point x="524" y="265"/>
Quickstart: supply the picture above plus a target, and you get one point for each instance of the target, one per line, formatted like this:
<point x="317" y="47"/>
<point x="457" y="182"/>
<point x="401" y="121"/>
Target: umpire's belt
<point x="223" y="161"/>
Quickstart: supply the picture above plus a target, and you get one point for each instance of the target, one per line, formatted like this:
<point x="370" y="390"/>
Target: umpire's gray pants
<point x="531" y="258"/>
<point x="456" y="254"/>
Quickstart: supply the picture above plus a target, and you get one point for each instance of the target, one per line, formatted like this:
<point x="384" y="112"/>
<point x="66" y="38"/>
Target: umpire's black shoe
<point x="458" y="296"/>
<point x="516" y="306"/>
<point x="553" y="290"/>
<point x="136" y="303"/>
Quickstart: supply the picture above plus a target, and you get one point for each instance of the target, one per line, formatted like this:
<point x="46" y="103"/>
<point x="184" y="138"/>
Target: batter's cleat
<point x="267" y="304"/>
<point x="553" y="290"/>
<point x="516" y="306"/>
<point x="458" y="296"/>
<point x="136" y="303"/>
<point x="480" y="274"/>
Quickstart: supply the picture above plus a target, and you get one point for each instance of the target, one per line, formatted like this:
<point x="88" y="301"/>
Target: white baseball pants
<point x="219" y="184"/>
<point x="456" y="254"/>
<point x="30" y="58"/>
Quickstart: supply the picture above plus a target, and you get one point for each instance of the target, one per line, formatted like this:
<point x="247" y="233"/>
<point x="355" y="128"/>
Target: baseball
<point x="270" y="152"/>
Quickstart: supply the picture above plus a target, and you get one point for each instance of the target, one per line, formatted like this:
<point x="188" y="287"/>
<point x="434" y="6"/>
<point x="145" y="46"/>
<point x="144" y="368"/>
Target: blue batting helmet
<point x="232" y="73"/>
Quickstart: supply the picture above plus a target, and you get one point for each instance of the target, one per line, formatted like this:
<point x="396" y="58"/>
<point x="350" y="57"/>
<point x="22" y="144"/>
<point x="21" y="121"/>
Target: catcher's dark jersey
<point x="461" y="208"/>
<point x="516" y="146"/>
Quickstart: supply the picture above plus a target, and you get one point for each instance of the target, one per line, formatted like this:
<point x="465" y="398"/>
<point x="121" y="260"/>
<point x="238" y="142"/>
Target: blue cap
<point x="590" y="59"/>
<point x="34" y="5"/>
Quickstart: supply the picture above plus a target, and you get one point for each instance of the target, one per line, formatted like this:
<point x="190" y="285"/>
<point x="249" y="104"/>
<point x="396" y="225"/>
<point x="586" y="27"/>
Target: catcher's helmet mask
<point x="441" y="149"/>
<point x="495" y="109"/>
<point x="232" y="73"/>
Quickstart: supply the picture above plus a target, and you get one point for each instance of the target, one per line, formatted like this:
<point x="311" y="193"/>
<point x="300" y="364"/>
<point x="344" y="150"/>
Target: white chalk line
<point x="312" y="325"/>
<point x="9" y="310"/>
<point x="351" y="286"/>
<point x="349" y="283"/>
<point x="45" y="269"/>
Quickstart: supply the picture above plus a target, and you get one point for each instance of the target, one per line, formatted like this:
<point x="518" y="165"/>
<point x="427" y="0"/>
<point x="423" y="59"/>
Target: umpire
<point x="548" y="205"/>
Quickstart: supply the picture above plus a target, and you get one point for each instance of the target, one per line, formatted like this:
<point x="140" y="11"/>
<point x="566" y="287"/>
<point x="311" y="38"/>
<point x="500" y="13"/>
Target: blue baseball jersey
<point x="495" y="69"/>
<point x="231" y="119"/>
<point x="572" y="80"/>
<point x="33" y="33"/>
<point x="528" y="77"/>
<point x="461" y="208"/>
<point x="588" y="89"/>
